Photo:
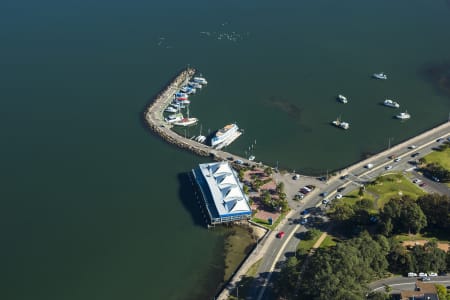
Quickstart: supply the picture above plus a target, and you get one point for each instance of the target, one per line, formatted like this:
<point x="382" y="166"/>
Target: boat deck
<point x="229" y="140"/>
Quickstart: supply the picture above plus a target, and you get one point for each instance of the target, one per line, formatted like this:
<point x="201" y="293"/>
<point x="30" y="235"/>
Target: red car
<point x="280" y="234"/>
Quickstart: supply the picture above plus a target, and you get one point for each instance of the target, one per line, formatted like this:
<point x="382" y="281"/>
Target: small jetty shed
<point x="222" y="193"/>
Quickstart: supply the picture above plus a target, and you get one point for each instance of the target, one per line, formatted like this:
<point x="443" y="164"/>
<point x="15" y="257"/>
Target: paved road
<point x="279" y="249"/>
<point x="405" y="283"/>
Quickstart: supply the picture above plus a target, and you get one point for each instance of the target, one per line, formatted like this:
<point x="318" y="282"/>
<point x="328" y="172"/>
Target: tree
<point x="377" y="296"/>
<point x="436" y="209"/>
<point x="442" y="291"/>
<point x="342" y="212"/>
<point x="288" y="278"/>
<point x="404" y="214"/>
<point x="361" y="191"/>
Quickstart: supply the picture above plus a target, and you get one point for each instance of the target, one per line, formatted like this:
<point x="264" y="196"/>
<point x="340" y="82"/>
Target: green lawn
<point x="385" y="188"/>
<point x="440" y="157"/>
<point x="265" y="223"/>
<point x="329" y="241"/>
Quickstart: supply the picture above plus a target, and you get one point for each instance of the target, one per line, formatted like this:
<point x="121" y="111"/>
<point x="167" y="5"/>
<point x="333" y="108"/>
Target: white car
<point x="432" y="274"/>
<point x="338" y="196"/>
<point x="423" y="274"/>
<point x="412" y="147"/>
<point x="397" y="159"/>
<point x="417" y="180"/>
<point x="388" y="167"/>
<point x="412" y="274"/>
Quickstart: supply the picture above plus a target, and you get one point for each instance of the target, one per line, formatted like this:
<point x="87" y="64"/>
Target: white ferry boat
<point x="186" y="122"/>
<point x="200" y="80"/>
<point x="390" y="103"/>
<point x="342" y="99"/>
<point x="224" y="134"/>
<point x="380" y="76"/>
<point x="340" y="124"/>
<point x="174" y="118"/>
<point x="403" y="116"/>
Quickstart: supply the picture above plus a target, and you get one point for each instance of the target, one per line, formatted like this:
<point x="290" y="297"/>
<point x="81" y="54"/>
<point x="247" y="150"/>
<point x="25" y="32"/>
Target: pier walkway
<point x="155" y="120"/>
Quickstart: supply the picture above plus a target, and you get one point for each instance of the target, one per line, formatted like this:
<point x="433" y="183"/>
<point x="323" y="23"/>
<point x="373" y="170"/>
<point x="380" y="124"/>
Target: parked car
<point x="432" y="274"/>
<point x="303" y="221"/>
<point x="438" y="140"/>
<point x="239" y="162"/>
<point x="338" y="196"/>
<point x="435" y="178"/>
<point x="421" y="274"/>
<point x="425" y="279"/>
<point x="340" y="189"/>
<point x="324" y="194"/>
<point x="305" y="212"/>
<point x="415" y="154"/>
<point x="280" y="234"/>
<point x="412" y="147"/>
<point x="388" y="167"/>
<point x="412" y="274"/>
<point x="369" y="166"/>
<point x="416" y="180"/>
<point x="422" y="184"/>
<point x="397" y="159"/>
<point x="325" y="201"/>
<point x="311" y="187"/>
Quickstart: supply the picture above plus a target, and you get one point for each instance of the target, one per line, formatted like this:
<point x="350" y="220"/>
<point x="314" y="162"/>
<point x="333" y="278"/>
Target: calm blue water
<point x="94" y="206"/>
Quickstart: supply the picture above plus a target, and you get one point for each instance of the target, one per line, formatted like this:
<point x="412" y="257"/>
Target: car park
<point x="388" y="167"/>
<point x="338" y="196"/>
<point x="280" y="234"/>
<point x="412" y="274"/>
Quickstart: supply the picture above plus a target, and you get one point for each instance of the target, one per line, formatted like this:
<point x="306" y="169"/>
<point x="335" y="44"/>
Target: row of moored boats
<point x="181" y="101"/>
<point x="388" y="102"/>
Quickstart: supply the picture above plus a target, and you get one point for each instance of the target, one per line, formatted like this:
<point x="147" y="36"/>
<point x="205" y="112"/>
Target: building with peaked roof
<point x="222" y="193"/>
<point x="423" y="291"/>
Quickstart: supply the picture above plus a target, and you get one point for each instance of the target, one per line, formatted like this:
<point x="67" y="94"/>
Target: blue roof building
<point x="222" y="193"/>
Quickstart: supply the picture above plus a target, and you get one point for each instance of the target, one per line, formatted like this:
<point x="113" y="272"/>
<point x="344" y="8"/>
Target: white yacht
<point x="174" y="118"/>
<point x="170" y="109"/>
<point x="186" y="122"/>
<point x="340" y="124"/>
<point x="390" y="103"/>
<point x="380" y="76"/>
<point x="342" y="99"/>
<point x="403" y="115"/>
<point x="200" y="80"/>
<point x="251" y="158"/>
<point x="195" y="85"/>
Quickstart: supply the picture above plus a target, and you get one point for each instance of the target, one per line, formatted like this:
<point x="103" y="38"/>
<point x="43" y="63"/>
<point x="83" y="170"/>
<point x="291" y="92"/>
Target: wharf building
<point x="222" y="195"/>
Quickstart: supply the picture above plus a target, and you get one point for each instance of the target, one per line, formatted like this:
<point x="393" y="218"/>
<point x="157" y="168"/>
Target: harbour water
<point x="94" y="206"/>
